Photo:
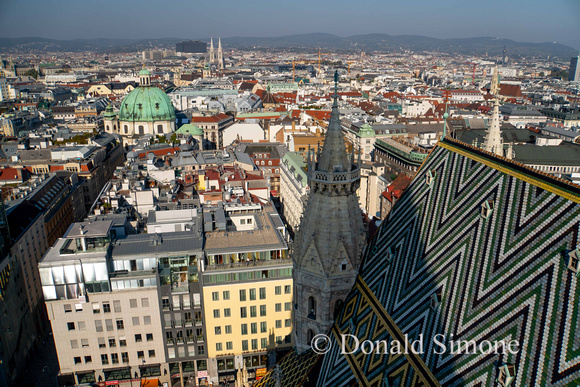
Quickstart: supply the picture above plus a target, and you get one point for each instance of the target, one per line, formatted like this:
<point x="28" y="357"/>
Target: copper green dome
<point x="366" y="131"/>
<point x="146" y="104"/>
<point x="190" y="129"/>
<point x="144" y="72"/>
<point x="109" y="112"/>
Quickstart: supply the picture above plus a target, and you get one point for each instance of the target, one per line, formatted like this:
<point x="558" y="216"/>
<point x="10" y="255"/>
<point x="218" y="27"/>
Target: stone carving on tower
<point x="328" y="246"/>
<point x="220" y="55"/>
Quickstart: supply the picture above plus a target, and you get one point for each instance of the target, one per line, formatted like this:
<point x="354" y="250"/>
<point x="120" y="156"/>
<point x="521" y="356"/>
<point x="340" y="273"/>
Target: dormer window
<point x="436" y="299"/>
<point x="574" y="261"/>
<point x="507" y="374"/>
<point x="430" y="176"/>
<point x="487" y="209"/>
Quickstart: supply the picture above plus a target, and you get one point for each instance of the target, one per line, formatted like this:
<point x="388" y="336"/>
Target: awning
<point x="150" y="383"/>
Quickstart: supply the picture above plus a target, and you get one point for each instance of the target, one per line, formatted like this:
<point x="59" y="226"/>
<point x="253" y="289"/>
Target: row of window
<point x="114" y="357"/>
<point x="71" y="325"/>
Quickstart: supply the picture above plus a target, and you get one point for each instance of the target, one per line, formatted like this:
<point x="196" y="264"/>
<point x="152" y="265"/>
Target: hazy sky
<point x="520" y="20"/>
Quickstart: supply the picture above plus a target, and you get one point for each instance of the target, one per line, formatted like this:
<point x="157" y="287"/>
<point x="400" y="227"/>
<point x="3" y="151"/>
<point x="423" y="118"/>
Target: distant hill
<point x="368" y="42"/>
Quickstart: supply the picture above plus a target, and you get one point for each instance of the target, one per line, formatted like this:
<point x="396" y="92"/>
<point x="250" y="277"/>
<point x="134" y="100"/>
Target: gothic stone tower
<point x="329" y="243"/>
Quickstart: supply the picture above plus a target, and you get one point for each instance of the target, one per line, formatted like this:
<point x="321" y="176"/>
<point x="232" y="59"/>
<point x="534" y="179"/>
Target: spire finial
<point x="335" y="88"/>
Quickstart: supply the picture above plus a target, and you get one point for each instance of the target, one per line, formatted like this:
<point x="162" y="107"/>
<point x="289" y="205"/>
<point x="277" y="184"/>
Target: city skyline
<point x="133" y="19"/>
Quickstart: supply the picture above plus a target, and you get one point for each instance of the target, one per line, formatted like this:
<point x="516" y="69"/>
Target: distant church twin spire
<point x="219" y="60"/>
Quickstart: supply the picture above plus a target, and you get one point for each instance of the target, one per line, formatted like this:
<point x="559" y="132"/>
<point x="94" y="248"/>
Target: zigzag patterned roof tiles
<point x="475" y="249"/>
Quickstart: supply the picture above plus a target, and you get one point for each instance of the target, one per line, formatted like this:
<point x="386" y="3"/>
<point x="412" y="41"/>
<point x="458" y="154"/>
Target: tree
<point x="32" y="73"/>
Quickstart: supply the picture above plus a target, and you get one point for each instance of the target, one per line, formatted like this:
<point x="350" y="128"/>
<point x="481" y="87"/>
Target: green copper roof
<point x="144" y="72"/>
<point x="147" y="104"/>
<point x="191" y="129"/>
<point x="366" y="131"/>
<point x="109" y="111"/>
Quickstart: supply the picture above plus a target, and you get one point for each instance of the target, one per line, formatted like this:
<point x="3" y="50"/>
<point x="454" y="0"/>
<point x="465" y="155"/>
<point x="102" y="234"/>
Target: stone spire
<point x="493" y="142"/>
<point x="211" y="52"/>
<point x="220" y="54"/>
<point x="328" y="245"/>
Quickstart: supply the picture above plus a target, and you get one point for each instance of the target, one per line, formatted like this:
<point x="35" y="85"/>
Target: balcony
<point x="249" y="264"/>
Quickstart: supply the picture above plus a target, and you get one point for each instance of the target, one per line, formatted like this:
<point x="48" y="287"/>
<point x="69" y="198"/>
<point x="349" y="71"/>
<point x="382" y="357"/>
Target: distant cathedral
<point x="331" y="237"/>
<point x="219" y="60"/>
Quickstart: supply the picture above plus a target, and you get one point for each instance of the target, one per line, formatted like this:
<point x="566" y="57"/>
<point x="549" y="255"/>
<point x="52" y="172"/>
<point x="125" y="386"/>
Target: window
<point x="244" y="312"/>
<point x="120" y="325"/>
<point x="264" y="343"/>
<point x="88" y="359"/>
<point x="262" y="310"/>
<point x="112" y="342"/>
<point x="71" y="326"/>
<point x="263" y="327"/>
<point x="67" y="308"/>
<point x="98" y="325"/>
<point x="278" y="290"/>
<point x="160" y="129"/>
<point x="215" y="296"/>
<point x="109" y="324"/>
<point x="117" y="306"/>
<point x="151" y="353"/>
<point x="145" y="302"/>
<point x="252" y="294"/>
<point x="125" y="357"/>
<point x="254" y="328"/>
<point x="242" y="294"/>
<point x="82" y="326"/>
<point x="104" y="359"/>
<point x="133" y="303"/>
<point x="200" y="350"/>
<point x="122" y="342"/>
<point x="244" y="345"/>
<point x="227" y="312"/>
<point x="74" y="344"/>
<point x="165" y="304"/>
<point x="114" y="358"/>
<point x="226" y="295"/>
<point x="78" y="360"/>
<point x="278" y="307"/>
<point x="218" y="330"/>
<point x="96" y="308"/>
<point x="287" y="289"/>
<point x="262" y="293"/>
<point x="287" y="306"/>
<point x="102" y="342"/>
<point x="311" y="308"/>
<point x="244" y="329"/>
<point x="84" y="343"/>
<point x="146" y="320"/>
<point x="228" y="329"/>
<point x="140" y="355"/>
<point x="288" y="323"/>
<point x="229" y="345"/>
<point x="138" y="338"/>
<point x="135" y="321"/>
<point x="216" y="313"/>
<point x="254" y="343"/>
<point x="218" y="346"/>
<point x="106" y="307"/>
<point x="278" y="323"/>
<point x="253" y="311"/>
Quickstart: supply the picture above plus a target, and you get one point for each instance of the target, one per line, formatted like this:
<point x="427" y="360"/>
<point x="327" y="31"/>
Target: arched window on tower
<point x="309" y="336"/>
<point x="337" y="307"/>
<point x="141" y="130"/>
<point x="126" y="129"/>
<point x="160" y="129"/>
<point x="114" y="128"/>
<point x="311" y="308"/>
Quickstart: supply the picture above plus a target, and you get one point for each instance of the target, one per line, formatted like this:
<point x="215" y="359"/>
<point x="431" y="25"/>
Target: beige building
<point x="106" y="324"/>
<point x="247" y="290"/>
